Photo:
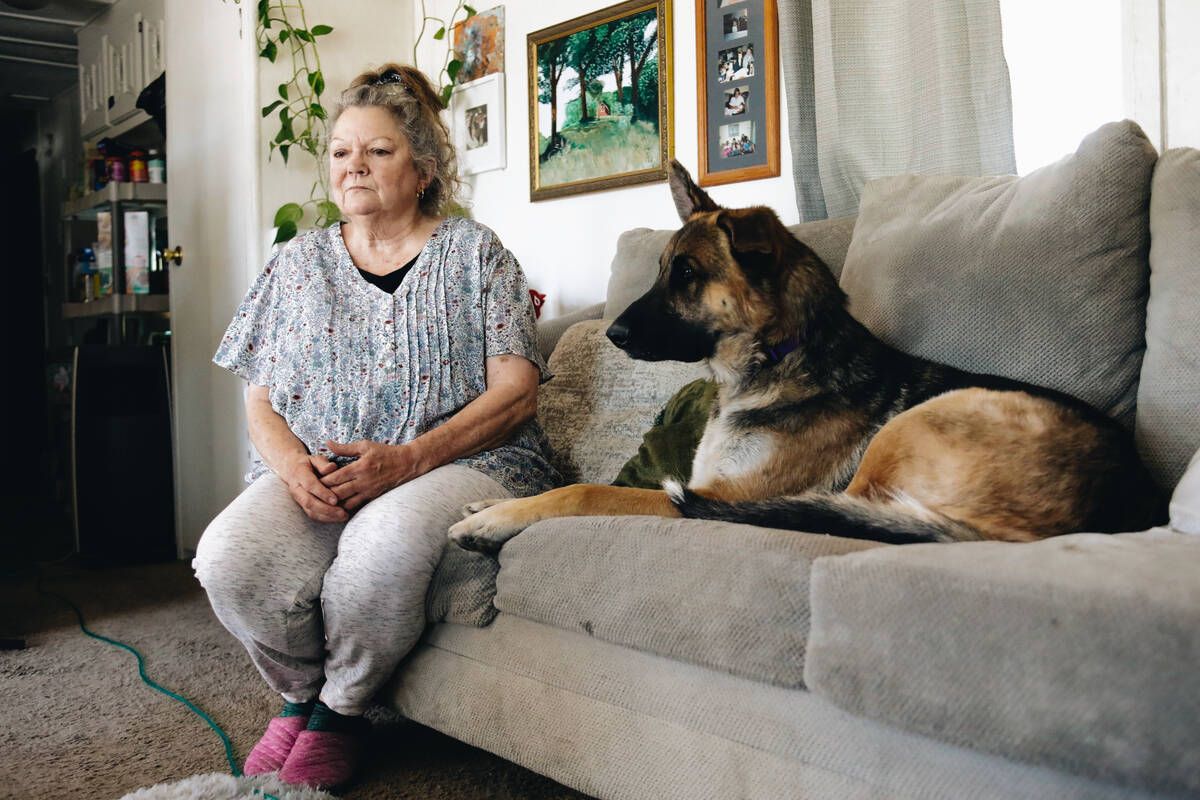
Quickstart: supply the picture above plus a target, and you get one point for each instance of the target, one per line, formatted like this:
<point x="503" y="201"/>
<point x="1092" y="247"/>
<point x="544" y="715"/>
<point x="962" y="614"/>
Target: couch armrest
<point x="550" y="331"/>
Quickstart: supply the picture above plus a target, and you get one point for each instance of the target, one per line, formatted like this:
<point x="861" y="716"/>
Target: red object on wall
<point x="539" y="300"/>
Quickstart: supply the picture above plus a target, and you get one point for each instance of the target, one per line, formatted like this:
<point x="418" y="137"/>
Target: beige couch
<point x="659" y="659"/>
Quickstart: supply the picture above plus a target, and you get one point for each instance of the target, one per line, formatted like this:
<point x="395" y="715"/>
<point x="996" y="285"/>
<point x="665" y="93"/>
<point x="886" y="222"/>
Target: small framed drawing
<point x="477" y="114"/>
<point x="600" y="100"/>
<point x="737" y="81"/>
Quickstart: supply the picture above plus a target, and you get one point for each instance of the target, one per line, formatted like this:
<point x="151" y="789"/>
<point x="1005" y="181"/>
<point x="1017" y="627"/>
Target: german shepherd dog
<point x="819" y="426"/>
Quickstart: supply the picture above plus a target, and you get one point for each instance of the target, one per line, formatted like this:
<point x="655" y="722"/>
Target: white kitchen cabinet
<point x="120" y="52"/>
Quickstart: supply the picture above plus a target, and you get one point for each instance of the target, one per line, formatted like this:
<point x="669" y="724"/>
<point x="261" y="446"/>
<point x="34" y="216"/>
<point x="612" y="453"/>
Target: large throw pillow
<point x="669" y="447"/>
<point x="1168" y="417"/>
<point x="600" y="402"/>
<point x="1041" y="278"/>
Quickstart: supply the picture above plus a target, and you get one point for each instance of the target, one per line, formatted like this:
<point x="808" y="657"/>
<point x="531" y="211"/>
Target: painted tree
<point x="585" y="50"/>
<point x="551" y="61"/>
<point x="639" y="40"/>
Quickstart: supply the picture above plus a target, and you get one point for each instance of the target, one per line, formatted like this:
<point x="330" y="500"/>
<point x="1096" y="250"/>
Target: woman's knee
<point x="225" y="556"/>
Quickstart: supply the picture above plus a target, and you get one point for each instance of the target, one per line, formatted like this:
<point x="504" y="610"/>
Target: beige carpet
<point x="77" y="722"/>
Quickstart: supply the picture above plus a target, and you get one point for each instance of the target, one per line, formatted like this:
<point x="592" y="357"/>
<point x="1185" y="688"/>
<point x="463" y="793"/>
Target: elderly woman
<point x="393" y="377"/>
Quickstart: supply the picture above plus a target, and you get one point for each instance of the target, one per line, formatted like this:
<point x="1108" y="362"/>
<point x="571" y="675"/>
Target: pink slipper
<point x="272" y="749"/>
<point x="322" y="759"/>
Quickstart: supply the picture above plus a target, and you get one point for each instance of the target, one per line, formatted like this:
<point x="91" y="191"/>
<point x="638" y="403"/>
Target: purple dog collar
<point x="776" y="352"/>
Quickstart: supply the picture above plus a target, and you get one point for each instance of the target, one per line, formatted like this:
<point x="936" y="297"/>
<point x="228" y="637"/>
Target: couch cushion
<point x="1078" y="652"/>
<point x="1041" y="278"/>
<point x="635" y="265"/>
<point x="730" y="597"/>
<point x="462" y="589"/>
<point x="1168" y="420"/>
<point x="600" y="402"/>
<point x="1185" y="502"/>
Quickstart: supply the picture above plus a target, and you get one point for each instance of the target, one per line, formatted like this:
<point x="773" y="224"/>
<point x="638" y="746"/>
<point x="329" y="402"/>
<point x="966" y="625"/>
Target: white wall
<point x="566" y="245"/>
<point x="364" y="35"/>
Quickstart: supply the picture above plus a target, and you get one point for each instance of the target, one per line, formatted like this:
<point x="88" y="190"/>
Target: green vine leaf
<point x="288" y="212"/>
<point x="302" y="125"/>
<point x="452" y="69"/>
<point x="446" y="91"/>
<point x="286" y="231"/>
<point x="441" y="33"/>
<point x="470" y="11"/>
<point x="329" y="210"/>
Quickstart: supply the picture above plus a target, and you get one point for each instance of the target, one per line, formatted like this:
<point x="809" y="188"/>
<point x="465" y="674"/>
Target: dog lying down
<point x="818" y="426"/>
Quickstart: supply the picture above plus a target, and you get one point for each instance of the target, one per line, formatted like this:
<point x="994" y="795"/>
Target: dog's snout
<point x="618" y="333"/>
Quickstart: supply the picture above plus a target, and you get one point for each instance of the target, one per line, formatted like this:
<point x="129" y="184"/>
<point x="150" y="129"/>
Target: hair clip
<point x="389" y="76"/>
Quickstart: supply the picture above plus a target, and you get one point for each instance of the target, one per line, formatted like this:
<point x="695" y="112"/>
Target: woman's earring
<point x="421" y="193"/>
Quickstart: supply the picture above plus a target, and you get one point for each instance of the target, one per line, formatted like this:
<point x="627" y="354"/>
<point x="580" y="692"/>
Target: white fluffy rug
<point x="223" y="786"/>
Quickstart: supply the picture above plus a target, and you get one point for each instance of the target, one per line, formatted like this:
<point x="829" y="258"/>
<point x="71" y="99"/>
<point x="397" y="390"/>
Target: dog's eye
<point x="683" y="272"/>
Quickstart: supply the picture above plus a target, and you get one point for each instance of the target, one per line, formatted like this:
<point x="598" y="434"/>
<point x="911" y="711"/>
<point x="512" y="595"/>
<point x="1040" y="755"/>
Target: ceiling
<point x="38" y="56"/>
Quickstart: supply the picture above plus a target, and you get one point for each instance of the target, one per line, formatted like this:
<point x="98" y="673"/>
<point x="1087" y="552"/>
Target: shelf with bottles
<point x="131" y="196"/>
<point x="118" y="304"/>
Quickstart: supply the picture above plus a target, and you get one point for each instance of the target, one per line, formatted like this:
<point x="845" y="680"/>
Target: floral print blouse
<point x="345" y="361"/>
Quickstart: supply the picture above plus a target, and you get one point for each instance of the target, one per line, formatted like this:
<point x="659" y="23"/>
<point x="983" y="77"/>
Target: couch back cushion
<point x="600" y="402"/>
<point x="1168" y="419"/>
<point x="1042" y="278"/>
<point x="635" y="265"/>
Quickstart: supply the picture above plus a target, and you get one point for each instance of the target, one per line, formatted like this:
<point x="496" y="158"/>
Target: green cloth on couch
<point x="668" y="448"/>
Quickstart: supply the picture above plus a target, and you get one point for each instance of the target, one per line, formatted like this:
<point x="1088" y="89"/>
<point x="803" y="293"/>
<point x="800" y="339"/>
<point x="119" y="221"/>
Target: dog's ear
<point x="750" y="230"/>
<point x="689" y="198"/>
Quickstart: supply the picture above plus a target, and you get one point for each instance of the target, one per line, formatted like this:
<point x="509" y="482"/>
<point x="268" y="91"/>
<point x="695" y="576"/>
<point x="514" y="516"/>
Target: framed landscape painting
<point x="600" y="100"/>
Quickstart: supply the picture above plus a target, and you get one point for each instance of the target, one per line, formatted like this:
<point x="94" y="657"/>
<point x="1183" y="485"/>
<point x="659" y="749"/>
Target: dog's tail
<point x="899" y="520"/>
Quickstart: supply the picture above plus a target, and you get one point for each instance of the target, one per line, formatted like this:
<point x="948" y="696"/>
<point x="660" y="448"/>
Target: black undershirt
<point x="390" y="282"/>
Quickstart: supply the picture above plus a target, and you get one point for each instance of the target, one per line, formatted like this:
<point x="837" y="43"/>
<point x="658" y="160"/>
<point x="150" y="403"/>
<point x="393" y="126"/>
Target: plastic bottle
<point x="116" y="169"/>
<point x="137" y="167"/>
<point x="156" y="167"/>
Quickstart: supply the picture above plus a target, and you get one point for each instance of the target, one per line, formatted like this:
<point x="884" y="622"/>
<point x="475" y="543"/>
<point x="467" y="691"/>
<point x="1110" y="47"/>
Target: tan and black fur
<point x="819" y="426"/>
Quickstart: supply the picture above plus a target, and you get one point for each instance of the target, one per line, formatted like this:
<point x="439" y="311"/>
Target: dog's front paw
<point x="489" y="524"/>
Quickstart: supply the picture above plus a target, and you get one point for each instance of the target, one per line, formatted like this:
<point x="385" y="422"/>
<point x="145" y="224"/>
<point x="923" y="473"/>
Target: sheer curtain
<point x="888" y="87"/>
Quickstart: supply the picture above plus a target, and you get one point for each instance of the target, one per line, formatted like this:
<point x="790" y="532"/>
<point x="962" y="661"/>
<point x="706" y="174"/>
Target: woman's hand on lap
<point x="303" y="475"/>
<point x="379" y="468"/>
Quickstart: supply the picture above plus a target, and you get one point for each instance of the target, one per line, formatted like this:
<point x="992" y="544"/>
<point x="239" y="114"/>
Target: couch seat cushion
<point x="730" y="597"/>
<point x="1042" y="278"/>
<point x="1079" y="652"/>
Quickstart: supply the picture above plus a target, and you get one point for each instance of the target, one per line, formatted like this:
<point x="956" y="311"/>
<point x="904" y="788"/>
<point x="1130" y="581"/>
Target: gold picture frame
<point x="737" y="97"/>
<point x="614" y="128"/>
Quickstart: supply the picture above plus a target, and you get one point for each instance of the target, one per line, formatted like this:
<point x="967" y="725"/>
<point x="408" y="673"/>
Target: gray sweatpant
<point x="331" y="607"/>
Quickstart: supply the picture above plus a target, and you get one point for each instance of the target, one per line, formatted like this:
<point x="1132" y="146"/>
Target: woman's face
<point x="371" y="171"/>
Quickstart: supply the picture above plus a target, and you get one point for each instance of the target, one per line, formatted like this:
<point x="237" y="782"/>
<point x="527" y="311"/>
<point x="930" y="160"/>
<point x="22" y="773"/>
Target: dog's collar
<point x="776" y="352"/>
